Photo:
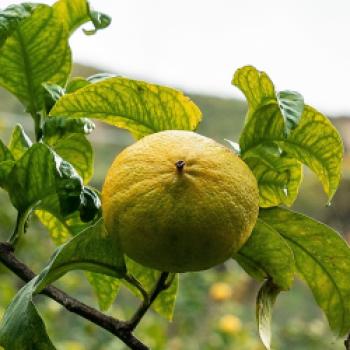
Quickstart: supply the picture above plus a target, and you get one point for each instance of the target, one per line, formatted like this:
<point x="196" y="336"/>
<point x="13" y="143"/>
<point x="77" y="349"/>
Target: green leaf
<point x="19" y="142"/>
<point x="265" y="126"/>
<point x="90" y="206"/>
<point x="291" y="105"/>
<point x="264" y="303"/>
<point x="137" y="106"/>
<point x="22" y="327"/>
<point x="275" y="261"/>
<point x="5" y="170"/>
<point x="279" y="176"/>
<point x="95" y="78"/>
<point x="40" y="174"/>
<point x="255" y="85"/>
<point x="275" y="122"/>
<point x="99" y="20"/>
<point x="11" y="17"/>
<point x="5" y="153"/>
<point x="56" y="128"/>
<point x="61" y="229"/>
<point x="77" y="83"/>
<point x="77" y="150"/>
<point x="91" y="250"/>
<point x="77" y="12"/>
<point x="165" y="302"/>
<point x="106" y="288"/>
<point x="316" y="143"/>
<point x="52" y="93"/>
<point x="322" y="258"/>
<point x="36" y="52"/>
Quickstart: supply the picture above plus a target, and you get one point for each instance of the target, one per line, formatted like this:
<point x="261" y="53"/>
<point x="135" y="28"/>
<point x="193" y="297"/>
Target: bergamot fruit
<point x="179" y="201"/>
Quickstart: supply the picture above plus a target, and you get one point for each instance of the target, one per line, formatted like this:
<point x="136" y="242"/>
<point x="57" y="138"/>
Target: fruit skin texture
<point x="174" y="218"/>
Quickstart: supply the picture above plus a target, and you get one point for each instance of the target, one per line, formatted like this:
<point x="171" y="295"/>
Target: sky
<point x="196" y="45"/>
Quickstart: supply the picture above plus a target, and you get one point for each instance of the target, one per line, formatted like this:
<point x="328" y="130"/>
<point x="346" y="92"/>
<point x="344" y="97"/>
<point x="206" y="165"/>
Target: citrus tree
<point x="49" y="177"/>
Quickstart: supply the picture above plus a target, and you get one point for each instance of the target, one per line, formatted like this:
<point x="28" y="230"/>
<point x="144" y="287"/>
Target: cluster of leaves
<point x="280" y="134"/>
<point x="49" y="178"/>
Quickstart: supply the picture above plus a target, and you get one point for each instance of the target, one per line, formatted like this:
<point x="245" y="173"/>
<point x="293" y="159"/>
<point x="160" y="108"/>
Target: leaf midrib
<point x="27" y="70"/>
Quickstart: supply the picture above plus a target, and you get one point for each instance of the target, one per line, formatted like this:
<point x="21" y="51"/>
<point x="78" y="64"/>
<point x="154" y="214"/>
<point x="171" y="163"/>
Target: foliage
<point x="50" y="177"/>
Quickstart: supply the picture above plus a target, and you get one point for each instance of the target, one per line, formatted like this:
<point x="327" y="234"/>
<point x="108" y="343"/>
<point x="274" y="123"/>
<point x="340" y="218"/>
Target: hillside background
<point x="200" y="322"/>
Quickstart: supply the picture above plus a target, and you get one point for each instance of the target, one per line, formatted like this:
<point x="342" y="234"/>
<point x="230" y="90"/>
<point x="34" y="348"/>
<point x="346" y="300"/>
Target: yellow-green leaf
<point x="11" y="16"/>
<point x="77" y="150"/>
<point x="275" y="261"/>
<point x="322" y="258"/>
<point x="316" y="143"/>
<point x="39" y="176"/>
<point x="265" y="126"/>
<point x="137" y="106"/>
<point x="19" y="142"/>
<point x="5" y="153"/>
<point x="22" y="327"/>
<point x="92" y="250"/>
<point x="105" y="287"/>
<point x="61" y="230"/>
<point x="77" y="12"/>
<point x="255" y="85"/>
<point x="56" y="128"/>
<point x="278" y="175"/>
<point x="36" y="52"/>
<point x="165" y="302"/>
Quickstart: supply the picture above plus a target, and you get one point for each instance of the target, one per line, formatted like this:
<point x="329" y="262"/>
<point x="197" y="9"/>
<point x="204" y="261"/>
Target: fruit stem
<point x="180" y="164"/>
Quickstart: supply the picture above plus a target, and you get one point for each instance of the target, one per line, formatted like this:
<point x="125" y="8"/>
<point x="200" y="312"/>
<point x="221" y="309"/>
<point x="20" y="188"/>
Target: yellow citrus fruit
<point x="220" y="291"/>
<point x="230" y="324"/>
<point x="179" y="201"/>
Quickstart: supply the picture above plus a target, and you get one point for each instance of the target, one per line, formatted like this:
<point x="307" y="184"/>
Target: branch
<point x="118" y="328"/>
<point x="159" y="287"/>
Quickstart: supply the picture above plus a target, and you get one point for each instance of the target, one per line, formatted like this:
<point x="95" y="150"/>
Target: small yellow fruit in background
<point x="72" y="345"/>
<point x="179" y="201"/>
<point x="230" y="324"/>
<point x="220" y="291"/>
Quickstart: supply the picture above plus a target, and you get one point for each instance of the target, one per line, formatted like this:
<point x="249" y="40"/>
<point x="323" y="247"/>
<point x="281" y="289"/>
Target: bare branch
<point x="118" y="328"/>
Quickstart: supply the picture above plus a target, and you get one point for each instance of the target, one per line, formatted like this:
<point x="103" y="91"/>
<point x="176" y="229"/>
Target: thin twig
<point x="118" y="328"/>
<point x="159" y="287"/>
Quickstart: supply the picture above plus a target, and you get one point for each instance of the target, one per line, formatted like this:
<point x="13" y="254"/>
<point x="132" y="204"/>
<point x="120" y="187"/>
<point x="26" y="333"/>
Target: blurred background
<point x="197" y="47"/>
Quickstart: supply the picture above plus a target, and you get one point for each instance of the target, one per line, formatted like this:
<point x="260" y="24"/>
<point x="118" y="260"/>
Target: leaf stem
<point x="161" y="285"/>
<point x="20" y="227"/>
<point x="134" y="282"/>
<point x="37" y="126"/>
